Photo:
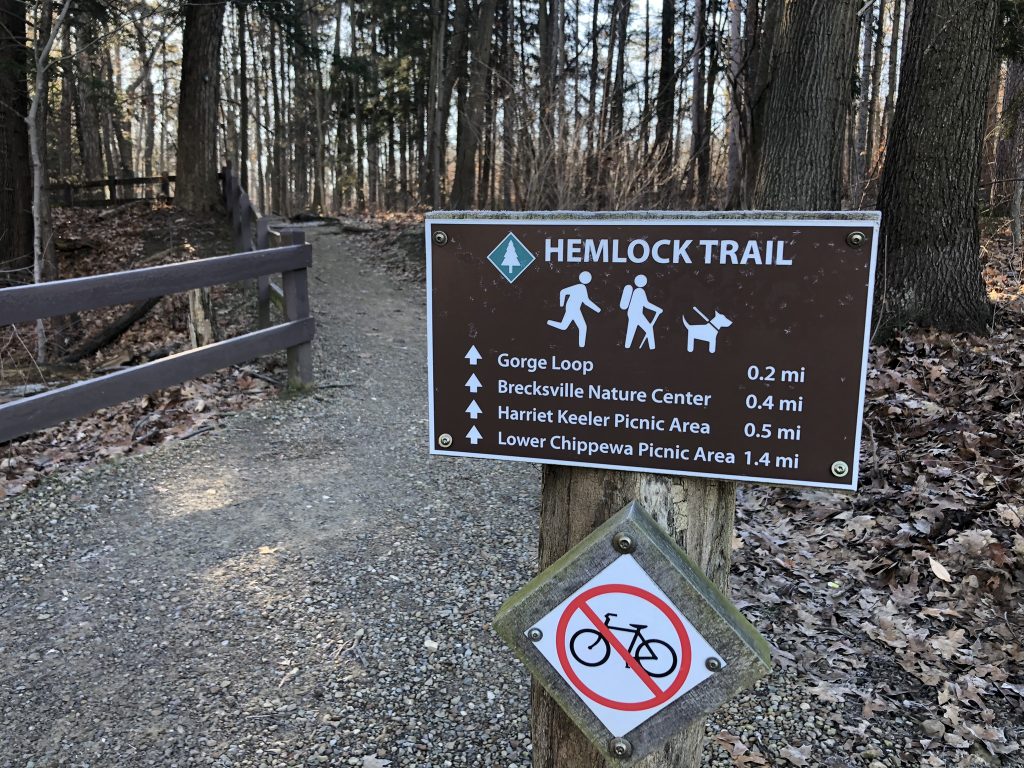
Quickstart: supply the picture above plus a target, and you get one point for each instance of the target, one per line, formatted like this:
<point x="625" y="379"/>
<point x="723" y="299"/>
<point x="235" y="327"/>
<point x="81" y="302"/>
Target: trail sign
<point x="726" y="346"/>
<point x="630" y="638"/>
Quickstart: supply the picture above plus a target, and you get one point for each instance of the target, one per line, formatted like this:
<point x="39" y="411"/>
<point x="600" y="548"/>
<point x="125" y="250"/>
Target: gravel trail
<point x="304" y="586"/>
<point x="271" y="594"/>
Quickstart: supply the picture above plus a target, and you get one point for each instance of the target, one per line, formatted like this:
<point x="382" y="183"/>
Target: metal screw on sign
<point x="840" y="468"/>
<point x="855" y="239"/>
<point x="440" y="237"/>
<point x="713" y="664"/>
<point x="445" y="440"/>
<point x="623" y="543"/>
<point x="535" y="634"/>
<point x="620" y="748"/>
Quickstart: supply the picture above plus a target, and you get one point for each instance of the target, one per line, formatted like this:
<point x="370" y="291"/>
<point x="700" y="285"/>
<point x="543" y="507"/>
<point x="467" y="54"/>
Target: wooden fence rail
<point x="291" y="259"/>
<point x="65" y="190"/>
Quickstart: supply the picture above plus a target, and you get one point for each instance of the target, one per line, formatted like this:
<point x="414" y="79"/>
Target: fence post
<point x="263" y="281"/>
<point x="67" y="194"/>
<point x="112" y="185"/>
<point x="165" y="186"/>
<point x="226" y="185"/>
<point x="296" y="307"/>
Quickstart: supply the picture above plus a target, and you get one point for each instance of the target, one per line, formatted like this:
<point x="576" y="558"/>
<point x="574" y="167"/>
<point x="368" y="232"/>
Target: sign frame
<point x="868" y="222"/>
<point x="746" y="653"/>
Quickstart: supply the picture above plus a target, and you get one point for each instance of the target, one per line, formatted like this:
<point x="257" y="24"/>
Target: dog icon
<point x="707" y="331"/>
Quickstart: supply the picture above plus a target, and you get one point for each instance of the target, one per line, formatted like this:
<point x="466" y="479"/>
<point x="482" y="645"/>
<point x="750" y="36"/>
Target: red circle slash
<point x="660" y="696"/>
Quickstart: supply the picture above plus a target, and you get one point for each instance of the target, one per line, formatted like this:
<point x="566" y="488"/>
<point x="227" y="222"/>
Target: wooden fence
<point x="64" y="192"/>
<point x="290" y="259"/>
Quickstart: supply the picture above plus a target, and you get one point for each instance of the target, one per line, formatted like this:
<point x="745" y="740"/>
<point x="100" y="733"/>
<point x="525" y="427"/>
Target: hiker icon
<point x="634" y="302"/>
<point x="706" y="332"/>
<point x="573" y="299"/>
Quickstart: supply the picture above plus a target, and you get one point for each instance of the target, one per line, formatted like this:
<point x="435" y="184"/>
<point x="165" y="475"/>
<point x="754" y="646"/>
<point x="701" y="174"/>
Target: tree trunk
<point x="65" y="163"/>
<point x="666" y="95"/>
<point x="988" y="136"/>
<point x="617" y="109"/>
<point x="699" y="515"/>
<point x="15" y="171"/>
<point x="463" y="192"/>
<point x="202" y="319"/>
<point x="891" y="77"/>
<point x="88" y="96"/>
<point x="1010" y="122"/>
<point x="197" y="188"/>
<point x="243" y="96"/>
<point x="700" y="144"/>
<point x="44" y="255"/>
<point x="737" y="109"/>
<point x="930" y="271"/>
<point x="875" y="104"/>
<point x="806" y="103"/>
<point x="858" y="158"/>
<point x="762" y="31"/>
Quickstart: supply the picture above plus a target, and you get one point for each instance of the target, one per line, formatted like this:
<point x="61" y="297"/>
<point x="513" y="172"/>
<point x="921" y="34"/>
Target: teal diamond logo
<point x="511" y="258"/>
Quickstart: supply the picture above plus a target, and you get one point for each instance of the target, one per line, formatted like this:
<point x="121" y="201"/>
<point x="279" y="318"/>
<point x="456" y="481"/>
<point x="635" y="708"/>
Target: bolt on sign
<point x="728" y="346"/>
<point x="630" y="638"/>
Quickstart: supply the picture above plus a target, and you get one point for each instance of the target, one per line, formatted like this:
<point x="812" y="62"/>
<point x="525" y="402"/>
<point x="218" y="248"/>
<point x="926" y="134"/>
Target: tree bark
<point x="15" y="171"/>
<point x="806" y="102"/>
<point x="197" y="188"/>
<point x="243" y="95"/>
<point x="858" y="158"/>
<point x="1010" y="123"/>
<point x="699" y="515"/>
<point x="700" y="144"/>
<point x="988" y="136"/>
<point x="737" y="109"/>
<point x="892" y="75"/>
<point x="665" y="99"/>
<point x="930" y="271"/>
<point x="463" y="191"/>
<point x="875" y="104"/>
<point x="88" y="121"/>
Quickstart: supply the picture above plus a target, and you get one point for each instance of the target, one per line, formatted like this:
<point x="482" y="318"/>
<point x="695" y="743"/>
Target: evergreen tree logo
<point x="511" y="257"/>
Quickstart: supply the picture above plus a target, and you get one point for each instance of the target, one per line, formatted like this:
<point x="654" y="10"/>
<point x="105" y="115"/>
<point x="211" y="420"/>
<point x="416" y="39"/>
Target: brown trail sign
<point x="715" y="346"/>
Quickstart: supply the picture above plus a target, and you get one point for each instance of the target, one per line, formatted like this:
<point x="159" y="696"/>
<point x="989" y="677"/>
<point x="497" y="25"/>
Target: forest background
<point x="402" y="105"/>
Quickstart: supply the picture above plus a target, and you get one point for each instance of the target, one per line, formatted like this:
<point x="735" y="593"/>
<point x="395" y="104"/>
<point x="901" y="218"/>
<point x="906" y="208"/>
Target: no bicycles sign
<point x="631" y="638"/>
<point x="624" y="647"/>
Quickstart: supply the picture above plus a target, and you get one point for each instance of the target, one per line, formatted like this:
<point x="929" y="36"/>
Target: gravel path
<point x="302" y="587"/>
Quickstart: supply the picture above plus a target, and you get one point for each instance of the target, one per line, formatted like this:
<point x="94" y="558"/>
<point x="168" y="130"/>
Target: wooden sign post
<point x="622" y="349"/>
<point x="698" y="514"/>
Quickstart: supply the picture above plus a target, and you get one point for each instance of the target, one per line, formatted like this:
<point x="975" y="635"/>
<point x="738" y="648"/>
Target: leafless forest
<point x="374" y="105"/>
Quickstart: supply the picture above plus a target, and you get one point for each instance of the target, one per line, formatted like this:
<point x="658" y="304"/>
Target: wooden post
<point x="165" y="186"/>
<point x="296" y="306"/>
<point x="698" y="514"/>
<point x="67" y="194"/>
<point x="239" y="219"/>
<point x="226" y="184"/>
<point x="112" y="185"/>
<point x="263" y="281"/>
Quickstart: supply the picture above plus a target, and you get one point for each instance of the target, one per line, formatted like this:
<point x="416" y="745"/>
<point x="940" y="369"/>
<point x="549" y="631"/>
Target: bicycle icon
<point x="656" y="657"/>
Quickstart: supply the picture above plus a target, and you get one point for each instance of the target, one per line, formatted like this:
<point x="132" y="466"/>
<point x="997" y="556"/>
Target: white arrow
<point x="473" y="384"/>
<point x="474" y="435"/>
<point x="473" y="356"/>
<point x="473" y="410"/>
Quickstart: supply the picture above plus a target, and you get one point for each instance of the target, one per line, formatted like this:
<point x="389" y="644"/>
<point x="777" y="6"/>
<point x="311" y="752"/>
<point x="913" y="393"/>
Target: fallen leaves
<point x="940" y="570"/>
<point x="901" y="603"/>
